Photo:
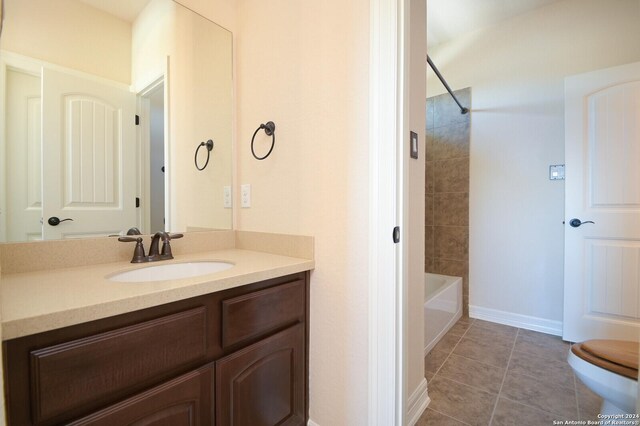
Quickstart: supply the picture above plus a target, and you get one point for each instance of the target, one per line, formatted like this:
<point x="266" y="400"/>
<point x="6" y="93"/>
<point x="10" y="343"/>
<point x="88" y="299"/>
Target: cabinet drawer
<point x="184" y="401"/>
<point x="257" y="313"/>
<point x="95" y="370"/>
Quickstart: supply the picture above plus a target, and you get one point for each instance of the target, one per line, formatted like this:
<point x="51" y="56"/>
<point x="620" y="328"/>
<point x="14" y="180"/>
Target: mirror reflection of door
<point x="79" y="131"/>
<point x="157" y="161"/>
<point x="23" y="152"/>
<point x="88" y="156"/>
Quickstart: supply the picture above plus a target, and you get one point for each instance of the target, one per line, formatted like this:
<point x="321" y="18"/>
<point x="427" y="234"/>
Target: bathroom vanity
<point x="236" y="353"/>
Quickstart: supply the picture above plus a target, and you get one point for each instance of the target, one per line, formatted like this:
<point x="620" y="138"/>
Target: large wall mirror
<point x="103" y="105"/>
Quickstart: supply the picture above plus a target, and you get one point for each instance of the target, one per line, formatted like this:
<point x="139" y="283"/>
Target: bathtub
<point x="442" y="307"/>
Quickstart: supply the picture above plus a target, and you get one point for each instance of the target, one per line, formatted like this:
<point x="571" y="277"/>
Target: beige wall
<point x="71" y="34"/>
<point x="222" y="12"/>
<point x="153" y="39"/>
<point x="201" y="109"/>
<point x="516" y="71"/>
<point x="304" y="65"/>
<point x="417" y="108"/>
<point x="2" y="405"/>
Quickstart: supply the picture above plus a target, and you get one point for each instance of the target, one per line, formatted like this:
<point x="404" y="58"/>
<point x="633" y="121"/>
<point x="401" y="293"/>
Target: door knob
<point x="55" y="221"/>
<point x="577" y="222"/>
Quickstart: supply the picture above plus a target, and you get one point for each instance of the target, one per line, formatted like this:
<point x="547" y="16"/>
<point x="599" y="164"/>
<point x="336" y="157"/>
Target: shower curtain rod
<point x="463" y="110"/>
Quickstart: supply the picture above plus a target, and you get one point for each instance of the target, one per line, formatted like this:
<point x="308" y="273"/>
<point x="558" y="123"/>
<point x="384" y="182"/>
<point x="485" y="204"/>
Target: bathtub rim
<point x="452" y="281"/>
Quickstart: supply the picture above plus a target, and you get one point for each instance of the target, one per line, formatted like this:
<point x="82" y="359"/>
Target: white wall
<point x="304" y="66"/>
<point x="71" y="34"/>
<point x="516" y="70"/>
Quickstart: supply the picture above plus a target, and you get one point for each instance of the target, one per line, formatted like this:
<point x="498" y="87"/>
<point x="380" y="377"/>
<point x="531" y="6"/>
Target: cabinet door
<point x="263" y="384"/>
<point x="184" y="401"/>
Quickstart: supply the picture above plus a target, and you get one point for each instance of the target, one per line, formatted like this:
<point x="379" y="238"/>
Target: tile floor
<point x="482" y="373"/>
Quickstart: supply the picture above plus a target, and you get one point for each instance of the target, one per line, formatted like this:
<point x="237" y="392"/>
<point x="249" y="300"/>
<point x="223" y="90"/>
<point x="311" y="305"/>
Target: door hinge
<point x="137" y="202"/>
<point x="396" y="234"/>
<point x="137" y="120"/>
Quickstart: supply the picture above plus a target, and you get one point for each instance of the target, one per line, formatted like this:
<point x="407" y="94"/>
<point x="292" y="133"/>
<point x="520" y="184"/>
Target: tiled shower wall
<point x="447" y="188"/>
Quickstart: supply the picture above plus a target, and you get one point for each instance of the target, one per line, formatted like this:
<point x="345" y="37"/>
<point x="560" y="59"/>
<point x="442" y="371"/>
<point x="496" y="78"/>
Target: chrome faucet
<point x="154" y="254"/>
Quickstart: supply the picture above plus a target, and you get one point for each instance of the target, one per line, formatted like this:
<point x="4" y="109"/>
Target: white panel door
<point x="23" y="149"/>
<point x="89" y="157"/>
<point x="602" y="259"/>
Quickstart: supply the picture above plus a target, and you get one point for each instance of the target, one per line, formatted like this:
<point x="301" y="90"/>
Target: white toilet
<point x="610" y="369"/>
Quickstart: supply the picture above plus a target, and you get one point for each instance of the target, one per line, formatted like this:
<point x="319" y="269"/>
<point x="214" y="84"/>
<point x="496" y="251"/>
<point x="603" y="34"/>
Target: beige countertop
<point x="33" y="302"/>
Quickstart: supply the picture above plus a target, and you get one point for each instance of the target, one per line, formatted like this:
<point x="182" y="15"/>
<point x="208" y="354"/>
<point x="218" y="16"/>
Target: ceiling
<point x="127" y="10"/>
<point x="447" y="19"/>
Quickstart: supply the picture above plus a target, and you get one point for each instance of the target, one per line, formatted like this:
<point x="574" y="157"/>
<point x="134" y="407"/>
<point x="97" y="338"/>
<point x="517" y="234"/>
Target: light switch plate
<point x="226" y="198"/>
<point x="245" y="196"/>
<point x="413" y="144"/>
<point x="556" y="172"/>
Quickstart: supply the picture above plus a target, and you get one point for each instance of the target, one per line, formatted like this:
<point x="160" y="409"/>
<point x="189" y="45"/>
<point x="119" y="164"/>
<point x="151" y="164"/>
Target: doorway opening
<point x="153" y="157"/>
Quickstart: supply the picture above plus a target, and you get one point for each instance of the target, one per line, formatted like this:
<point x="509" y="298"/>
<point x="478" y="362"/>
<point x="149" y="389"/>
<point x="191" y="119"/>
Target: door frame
<point x="144" y="150"/>
<point x="388" y="186"/>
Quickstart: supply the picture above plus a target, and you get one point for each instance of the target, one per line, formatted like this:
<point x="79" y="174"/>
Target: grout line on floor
<point x="571" y="385"/>
<point x="468" y="385"/>
<point x="535" y="377"/>
<point x="452" y="349"/>
<point x="448" y="416"/>
<point x="475" y="360"/>
<point x="531" y="406"/>
<point x="504" y="378"/>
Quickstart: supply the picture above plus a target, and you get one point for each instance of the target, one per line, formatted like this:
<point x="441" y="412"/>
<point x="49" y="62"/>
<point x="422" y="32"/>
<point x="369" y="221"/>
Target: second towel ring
<point x="209" y="145"/>
<point x="270" y="130"/>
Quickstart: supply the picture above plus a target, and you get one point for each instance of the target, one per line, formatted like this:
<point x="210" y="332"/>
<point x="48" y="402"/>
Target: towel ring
<point x="209" y="145"/>
<point x="270" y="130"/>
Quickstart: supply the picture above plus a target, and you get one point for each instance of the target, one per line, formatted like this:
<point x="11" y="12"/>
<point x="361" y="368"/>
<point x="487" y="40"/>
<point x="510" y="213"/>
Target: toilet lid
<point x="618" y="356"/>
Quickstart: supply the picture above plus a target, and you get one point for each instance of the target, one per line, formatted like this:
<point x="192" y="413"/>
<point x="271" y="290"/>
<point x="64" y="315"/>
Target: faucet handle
<point x="138" y="252"/>
<point x="166" y="246"/>
<point x="130" y="239"/>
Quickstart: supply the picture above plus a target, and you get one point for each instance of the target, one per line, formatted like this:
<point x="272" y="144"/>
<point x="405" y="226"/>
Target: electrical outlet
<point x="245" y="196"/>
<point x="226" y="199"/>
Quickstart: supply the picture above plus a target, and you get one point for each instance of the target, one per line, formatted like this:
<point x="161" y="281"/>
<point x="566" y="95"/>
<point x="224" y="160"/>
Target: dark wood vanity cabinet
<point x="263" y="384"/>
<point x="184" y="401"/>
<point x="235" y="357"/>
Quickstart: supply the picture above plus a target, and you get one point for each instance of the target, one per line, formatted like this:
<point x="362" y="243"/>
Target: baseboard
<point x="516" y="320"/>
<point x="417" y="403"/>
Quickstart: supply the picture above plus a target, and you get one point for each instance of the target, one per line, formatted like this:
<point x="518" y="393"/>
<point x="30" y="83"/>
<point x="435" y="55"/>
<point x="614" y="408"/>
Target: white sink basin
<point x="171" y="271"/>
